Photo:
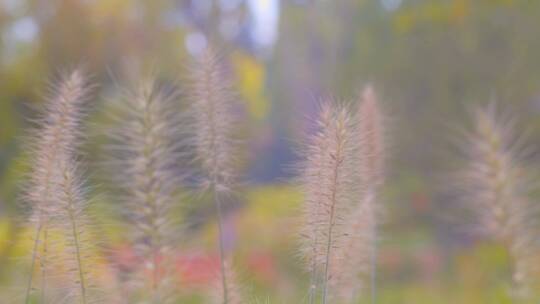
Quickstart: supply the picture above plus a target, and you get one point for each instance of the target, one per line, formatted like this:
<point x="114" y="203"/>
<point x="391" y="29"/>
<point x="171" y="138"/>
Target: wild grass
<point x="214" y="123"/>
<point x="327" y="183"/>
<point x="497" y="187"/>
<point x="372" y="154"/>
<point x="342" y="173"/>
<point x="145" y="152"/>
<point x="54" y="190"/>
<point x="340" y="176"/>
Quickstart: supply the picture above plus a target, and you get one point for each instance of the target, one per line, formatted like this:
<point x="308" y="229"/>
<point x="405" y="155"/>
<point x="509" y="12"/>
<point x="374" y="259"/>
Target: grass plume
<point x="341" y="176"/>
<point x="356" y="255"/>
<point x="214" y="125"/>
<point x="145" y="149"/>
<point x="371" y="135"/>
<point x="53" y="143"/>
<point x="497" y="188"/>
<point x="372" y="143"/>
<point x="327" y="181"/>
<point x="213" y="104"/>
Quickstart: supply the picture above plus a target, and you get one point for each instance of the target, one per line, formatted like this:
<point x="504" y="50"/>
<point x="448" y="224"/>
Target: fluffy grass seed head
<point x="53" y="143"/>
<point x="371" y="142"/>
<point x="497" y="188"/>
<point x="56" y="137"/>
<point x="327" y="182"/>
<point x="214" y="121"/>
<point x="146" y="153"/>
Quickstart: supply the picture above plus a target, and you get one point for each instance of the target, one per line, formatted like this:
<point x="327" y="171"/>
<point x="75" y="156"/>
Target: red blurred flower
<point x="263" y="266"/>
<point x="198" y="269"/>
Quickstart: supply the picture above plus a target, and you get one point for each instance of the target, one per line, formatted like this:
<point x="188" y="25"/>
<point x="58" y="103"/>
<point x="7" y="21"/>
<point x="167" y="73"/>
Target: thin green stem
<point x="43" y="263"/>
<point x="219" y="213"/>
<point x="70" y="208"/>
<point x="314" y="272"/>
<point x="328" y="249"/>
<point x="78" y="253"/>
<point x="331" y="223"/>
<point x="33" y="263"/>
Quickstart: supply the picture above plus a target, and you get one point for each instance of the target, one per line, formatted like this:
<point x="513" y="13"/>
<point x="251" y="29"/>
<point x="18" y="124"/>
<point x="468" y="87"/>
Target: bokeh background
<point x="430" y="61"/>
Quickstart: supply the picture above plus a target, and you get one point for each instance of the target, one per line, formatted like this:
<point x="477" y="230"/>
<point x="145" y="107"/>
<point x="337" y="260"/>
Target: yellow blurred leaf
<point x="4" y="234"/>
<point x="251" y="80"/>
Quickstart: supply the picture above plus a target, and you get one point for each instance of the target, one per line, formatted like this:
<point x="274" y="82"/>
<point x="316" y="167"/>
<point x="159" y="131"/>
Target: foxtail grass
<point x="341" y="174"/>
<point x="327" y="180"/>
<point x="214" y="124"/>
<point x="53" y="146"/>
<point x="497" y="188"/>
<point x="145" y="154"/>
<point x="371" y="134"/>
<point x="355" y="259"/>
